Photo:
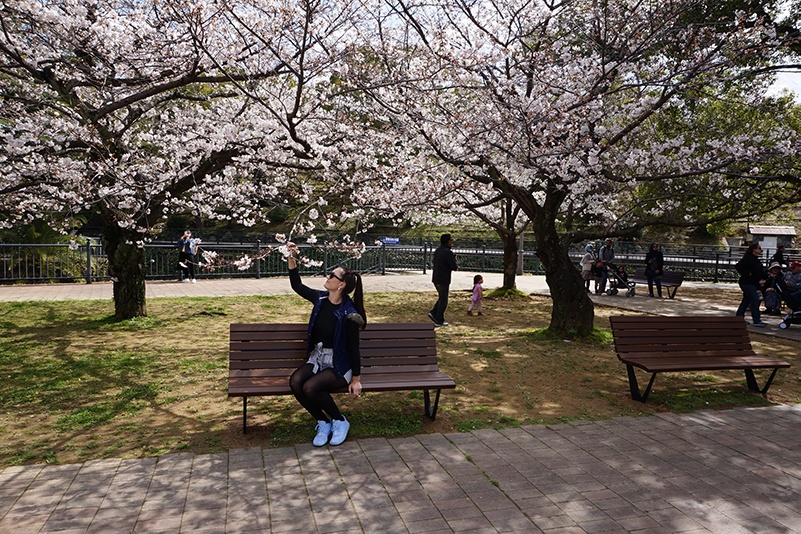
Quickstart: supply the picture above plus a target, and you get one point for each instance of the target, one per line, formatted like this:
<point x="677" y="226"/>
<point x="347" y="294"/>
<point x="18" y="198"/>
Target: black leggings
<point x="313" y="391"/>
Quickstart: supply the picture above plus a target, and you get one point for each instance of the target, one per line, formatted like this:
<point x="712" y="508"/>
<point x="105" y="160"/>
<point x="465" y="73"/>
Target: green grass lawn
<point x="79" y="385"/>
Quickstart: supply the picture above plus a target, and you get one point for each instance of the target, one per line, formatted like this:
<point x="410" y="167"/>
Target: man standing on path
<point x="444" y="265"/>
<point x="607" y="256"/>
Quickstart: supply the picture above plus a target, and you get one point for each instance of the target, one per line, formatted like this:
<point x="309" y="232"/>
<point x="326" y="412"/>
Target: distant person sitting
<point x="779" y="257"/>
<point x="773" y="289"/>
<point x="792" y="279"/>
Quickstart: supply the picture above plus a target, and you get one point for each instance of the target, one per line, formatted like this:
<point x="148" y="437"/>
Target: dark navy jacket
<point x="346" y="347"/>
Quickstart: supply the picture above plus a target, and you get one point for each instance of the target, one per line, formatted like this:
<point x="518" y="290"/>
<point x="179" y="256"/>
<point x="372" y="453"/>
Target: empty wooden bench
<point x="671" y="280"/>
<point x="673" y="344"/>
<point x="394" y="356"/>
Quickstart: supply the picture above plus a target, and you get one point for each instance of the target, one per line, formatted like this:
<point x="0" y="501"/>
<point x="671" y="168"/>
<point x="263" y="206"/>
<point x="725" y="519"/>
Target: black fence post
<point x="717" y="266"/>
<point x="425" y="256"/>
<point x="88" y="261"/>
<point x="383" y="258"/>
<point x="258" y="258"/>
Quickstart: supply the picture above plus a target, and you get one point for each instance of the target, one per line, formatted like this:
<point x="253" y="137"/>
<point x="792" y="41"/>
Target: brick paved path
<point x="736" y="471"/>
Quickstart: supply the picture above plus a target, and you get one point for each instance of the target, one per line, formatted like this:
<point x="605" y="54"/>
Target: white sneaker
<point x="186" y="281"/>
<point x="323" y="431"/>
<point x="339" y="432"/>
<point x="194" y="281"/>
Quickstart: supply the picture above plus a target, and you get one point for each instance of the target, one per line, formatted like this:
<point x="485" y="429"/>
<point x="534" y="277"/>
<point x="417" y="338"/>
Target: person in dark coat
<point x="779" y="257"/>
<point x="654" y="263"/>
<point x="752" y="277"/>
<point x="444" y="265"/>
<point x="607" y="256"/>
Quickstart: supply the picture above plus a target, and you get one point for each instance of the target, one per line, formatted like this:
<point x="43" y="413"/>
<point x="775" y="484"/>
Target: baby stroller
<point x="618" y="281"/>
<point x="794" y="317"/>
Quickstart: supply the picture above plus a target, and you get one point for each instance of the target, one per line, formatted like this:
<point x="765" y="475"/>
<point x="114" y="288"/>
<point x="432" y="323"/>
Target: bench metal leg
<point x="431" y="413"/>
<point x="670" y="293"/>
<point x="635" y="388"/>
<point x="244" y="415"/>
<point x="750" y="379"/>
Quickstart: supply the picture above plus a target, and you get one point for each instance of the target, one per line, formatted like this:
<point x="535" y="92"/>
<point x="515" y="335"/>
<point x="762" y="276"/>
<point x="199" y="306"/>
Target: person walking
<point x="478" y="295"/>
<point x="186" y="257"/>
<point x="333" y="346"/>
<point x="751" y="278"/>
<point x="773" y="289"/>
<point x="793" y="279"/>
<point x="654" y="262"/>
<point x="444" y="265"/>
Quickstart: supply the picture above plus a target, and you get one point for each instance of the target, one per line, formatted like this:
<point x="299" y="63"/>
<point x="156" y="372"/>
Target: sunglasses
<point x="332" y="275"/>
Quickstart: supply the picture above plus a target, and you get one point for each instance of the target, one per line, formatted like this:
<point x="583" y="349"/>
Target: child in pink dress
<point x="478" y="295"/>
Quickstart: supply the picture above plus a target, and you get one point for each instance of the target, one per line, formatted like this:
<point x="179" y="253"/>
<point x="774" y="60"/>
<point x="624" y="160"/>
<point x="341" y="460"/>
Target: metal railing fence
<point x="88" y="262"/>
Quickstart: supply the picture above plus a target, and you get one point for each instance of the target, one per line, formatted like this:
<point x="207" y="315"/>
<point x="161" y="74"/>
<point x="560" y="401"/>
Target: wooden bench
<point x="670" y="280"/>
<point x="394" y="356"/>
<point x="673" y="344"/>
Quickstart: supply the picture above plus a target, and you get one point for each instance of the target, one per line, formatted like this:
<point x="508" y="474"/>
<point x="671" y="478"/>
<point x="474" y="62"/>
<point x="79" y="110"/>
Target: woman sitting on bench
<point x="333" y="344"/>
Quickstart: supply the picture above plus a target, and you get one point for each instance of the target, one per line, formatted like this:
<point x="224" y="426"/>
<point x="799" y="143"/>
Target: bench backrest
<point x="385" y="347"/>
<point x="671" y="335"/>
<point x="668" y="277"/>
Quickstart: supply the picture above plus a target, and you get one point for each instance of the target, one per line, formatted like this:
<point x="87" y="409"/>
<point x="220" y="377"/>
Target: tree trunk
<point x="127" y="269"/>
<point x="573" y="311"/>
<point x="510" y="254"/>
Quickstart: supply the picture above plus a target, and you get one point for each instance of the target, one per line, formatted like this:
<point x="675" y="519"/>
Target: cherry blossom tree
<point x="598" y="118"/>
<point x="138" y="109"/>
<point x="111" y="107"/>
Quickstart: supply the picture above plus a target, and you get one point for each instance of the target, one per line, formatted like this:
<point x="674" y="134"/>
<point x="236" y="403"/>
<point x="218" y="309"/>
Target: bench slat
<point x="653" y="322"/>
<point x="388" y="365"/>
<point x="701" y="350"/>
<point x="278" y="385"/>
<point x="286" y="371"/>
<point x="672" y="278"/>
<point x="717" y="363"/>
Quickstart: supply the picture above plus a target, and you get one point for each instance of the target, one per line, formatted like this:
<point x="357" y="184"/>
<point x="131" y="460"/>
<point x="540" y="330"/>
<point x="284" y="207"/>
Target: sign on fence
<point x="390" y="240"/>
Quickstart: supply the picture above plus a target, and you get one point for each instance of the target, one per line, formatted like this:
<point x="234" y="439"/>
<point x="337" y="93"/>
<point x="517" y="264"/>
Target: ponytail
<point x="353" y="284"/>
